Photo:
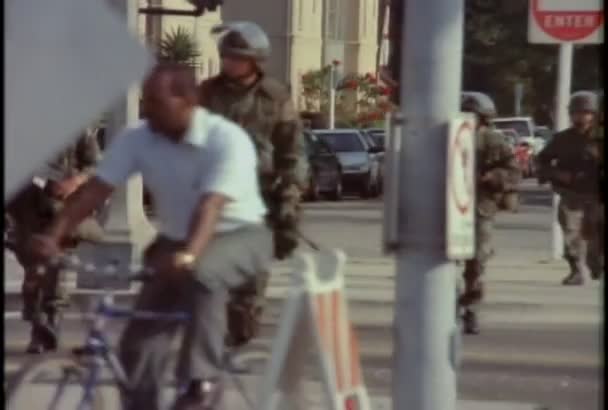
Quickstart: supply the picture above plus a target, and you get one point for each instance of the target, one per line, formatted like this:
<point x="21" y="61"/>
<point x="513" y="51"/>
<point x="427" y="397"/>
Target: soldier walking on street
<point x="31" y="211"/>
<point x="245" y="94"/>
<point x="571" y="163"/>
<point x="497" y="178"/>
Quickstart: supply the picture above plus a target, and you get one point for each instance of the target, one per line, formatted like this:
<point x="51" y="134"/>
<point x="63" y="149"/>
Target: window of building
<point x="333" y="20"/>
<point x="300" y="15"/>
<point x="365" y="6"/>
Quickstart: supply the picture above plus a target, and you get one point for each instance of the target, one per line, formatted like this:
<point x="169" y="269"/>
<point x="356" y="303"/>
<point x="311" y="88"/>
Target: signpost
<point x="460" y="189"/>
<point x="564" y="22"/>
<point x="519" y="95"/>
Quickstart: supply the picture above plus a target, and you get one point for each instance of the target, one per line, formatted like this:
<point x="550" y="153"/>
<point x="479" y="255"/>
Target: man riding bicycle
<point x="201" y="170"/>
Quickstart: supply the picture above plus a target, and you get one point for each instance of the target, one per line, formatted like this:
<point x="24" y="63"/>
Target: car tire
<point x="313" y="191"/>
<point x="337" y="193"/>
<point x="367" y="189"/>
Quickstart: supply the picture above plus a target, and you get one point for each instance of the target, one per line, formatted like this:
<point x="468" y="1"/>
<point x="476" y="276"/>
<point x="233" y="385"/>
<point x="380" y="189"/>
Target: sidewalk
<point x="314" y="398"/>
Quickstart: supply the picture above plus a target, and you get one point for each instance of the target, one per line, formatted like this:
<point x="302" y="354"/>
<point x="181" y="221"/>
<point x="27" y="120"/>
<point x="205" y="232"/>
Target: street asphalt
<point x="540" y="341"/>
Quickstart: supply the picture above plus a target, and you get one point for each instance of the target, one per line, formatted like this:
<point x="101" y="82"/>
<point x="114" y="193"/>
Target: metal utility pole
<point x="426" y="332"/>
<point x="562" y="121"/>
<point x="332" y="98"/>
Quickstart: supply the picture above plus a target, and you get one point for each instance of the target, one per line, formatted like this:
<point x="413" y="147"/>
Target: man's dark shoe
<point x="574" y="279"/>
<point x="205" y="395"/>
<point x="470" y="324"/>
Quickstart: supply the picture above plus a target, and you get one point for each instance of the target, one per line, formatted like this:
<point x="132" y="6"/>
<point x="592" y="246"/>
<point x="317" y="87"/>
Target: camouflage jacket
<point x="496" y="161"/>
<point x="579" y="155"/>
<point x="266" y="112"/>
<point x="78" y="158"/>
<point x="33" y="208"/>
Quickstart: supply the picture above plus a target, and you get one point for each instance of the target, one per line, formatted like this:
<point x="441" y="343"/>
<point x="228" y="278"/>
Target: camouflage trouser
<point x="30" y="212"/>
<point x="582" y="226"/>
<point x="472" y="294"/>
<point x="44" y="292"/>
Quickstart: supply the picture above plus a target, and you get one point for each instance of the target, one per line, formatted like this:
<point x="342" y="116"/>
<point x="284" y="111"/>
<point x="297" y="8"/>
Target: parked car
<point x="375" y="138"/>
<point x="378" y="135"/>
<point x="524" y="127"/>
<point x="360" y="167"/>
<point x="543" y="132"/>
<point x="512" y="137"/>
<point x="325" y="171"/>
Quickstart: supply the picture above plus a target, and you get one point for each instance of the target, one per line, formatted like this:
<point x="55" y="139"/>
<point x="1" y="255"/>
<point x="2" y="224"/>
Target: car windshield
<point x="520" y="126"/>
<point x="343" y="142"/>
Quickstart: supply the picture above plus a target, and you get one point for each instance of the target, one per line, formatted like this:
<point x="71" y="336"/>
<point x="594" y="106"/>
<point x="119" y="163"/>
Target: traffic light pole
<point x="562" y="121"/>
<point x="426" y="333"/>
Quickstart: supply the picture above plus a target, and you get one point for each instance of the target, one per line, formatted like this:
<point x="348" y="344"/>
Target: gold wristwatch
<point x="185" y="259"/>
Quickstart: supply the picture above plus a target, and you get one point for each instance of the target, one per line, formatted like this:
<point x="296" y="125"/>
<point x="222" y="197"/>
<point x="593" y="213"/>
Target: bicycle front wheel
<point x="52" y="383"/>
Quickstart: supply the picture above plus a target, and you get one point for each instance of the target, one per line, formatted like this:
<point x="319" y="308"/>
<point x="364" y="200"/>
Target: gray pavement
<point x="540" y="341"/>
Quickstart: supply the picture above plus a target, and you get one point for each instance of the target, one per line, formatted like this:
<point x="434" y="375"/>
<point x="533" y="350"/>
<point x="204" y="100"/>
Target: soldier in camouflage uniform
<point x="497" y="178"/>
<point x="572" y="162"/>
<point x="31" y="211"/>
<point x="243" y="93"/>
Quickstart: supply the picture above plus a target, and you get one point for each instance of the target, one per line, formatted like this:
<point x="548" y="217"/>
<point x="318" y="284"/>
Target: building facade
<point x="305" y="35"/>
<point x="309" y="34"/>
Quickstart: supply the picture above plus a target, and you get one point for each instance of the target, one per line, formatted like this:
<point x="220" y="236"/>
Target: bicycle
<point x="83" y="365"/>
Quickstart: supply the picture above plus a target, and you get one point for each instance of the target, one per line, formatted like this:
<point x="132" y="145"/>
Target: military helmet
<point x="477" y="103"/>
<point x="584" y="101"/>
<point x="242" y="39"/>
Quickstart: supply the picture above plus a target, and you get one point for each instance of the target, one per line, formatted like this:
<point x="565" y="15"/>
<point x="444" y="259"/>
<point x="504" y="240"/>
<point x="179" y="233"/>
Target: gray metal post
<point x="332" y="98"/>
<point x="562" y="121"/>
<point x="519" y="94"/>
<point x="424" y="375"/>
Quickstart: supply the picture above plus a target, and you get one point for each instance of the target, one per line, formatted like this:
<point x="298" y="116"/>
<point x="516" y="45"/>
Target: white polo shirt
<point x="216" y="156"/>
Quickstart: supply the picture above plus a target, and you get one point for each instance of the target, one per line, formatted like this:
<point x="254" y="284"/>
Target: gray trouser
<point x="230" y="260"/>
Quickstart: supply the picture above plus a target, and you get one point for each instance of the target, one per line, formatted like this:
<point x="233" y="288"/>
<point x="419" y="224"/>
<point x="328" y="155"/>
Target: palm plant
<point x="179" y="46"/>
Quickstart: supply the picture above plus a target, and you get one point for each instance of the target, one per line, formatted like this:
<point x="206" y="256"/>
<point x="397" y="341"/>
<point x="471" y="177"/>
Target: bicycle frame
<point x="98" y="351"/>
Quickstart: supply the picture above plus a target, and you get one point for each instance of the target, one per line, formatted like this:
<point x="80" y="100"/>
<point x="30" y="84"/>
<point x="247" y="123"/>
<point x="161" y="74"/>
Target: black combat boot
<point x="575" y="278"/>
<point x="597" y="274"/>
<point x="470" y="324"/>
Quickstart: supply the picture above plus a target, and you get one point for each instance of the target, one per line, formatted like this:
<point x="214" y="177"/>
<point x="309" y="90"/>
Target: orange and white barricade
<point x="315" y="319"/>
